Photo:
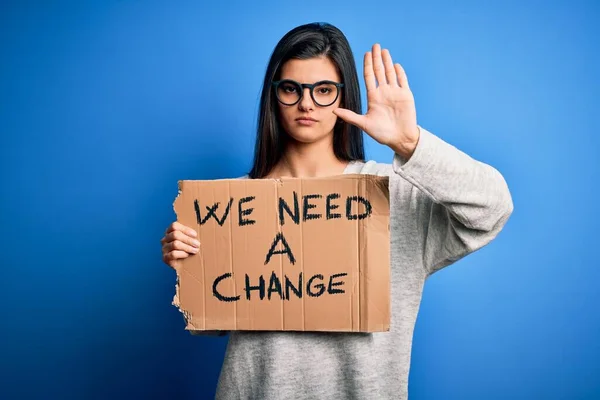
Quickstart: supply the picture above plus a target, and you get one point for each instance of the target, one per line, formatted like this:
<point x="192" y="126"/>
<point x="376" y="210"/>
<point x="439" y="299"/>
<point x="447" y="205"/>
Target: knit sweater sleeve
<point x="463" y="203"/>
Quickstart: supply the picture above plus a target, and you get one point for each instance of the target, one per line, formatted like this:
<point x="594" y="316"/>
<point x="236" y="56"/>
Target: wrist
<point x="406" y="147"/>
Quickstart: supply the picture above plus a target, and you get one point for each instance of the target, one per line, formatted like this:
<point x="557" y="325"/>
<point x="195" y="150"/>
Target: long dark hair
<point x="303" y="42"/>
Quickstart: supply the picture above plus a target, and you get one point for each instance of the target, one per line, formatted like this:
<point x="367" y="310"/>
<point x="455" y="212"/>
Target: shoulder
<point x="370" y="167"/>
<point x="401" y="189"/>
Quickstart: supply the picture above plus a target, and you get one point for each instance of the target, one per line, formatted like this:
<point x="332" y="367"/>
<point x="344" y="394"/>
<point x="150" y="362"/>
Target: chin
<point x="307" y="136"/>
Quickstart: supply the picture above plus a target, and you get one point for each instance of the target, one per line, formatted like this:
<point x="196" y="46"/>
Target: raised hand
<point x="391" y="117"/>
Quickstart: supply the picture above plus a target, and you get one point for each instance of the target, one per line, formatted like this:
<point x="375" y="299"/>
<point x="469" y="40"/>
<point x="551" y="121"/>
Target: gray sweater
<point x="443" y="206"/>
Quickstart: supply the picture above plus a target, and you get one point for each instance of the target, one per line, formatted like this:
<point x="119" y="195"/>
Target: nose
<point x="306" y="103"/>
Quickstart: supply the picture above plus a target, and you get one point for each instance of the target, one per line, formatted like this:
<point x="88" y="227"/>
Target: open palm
<point x="391" y="118"/>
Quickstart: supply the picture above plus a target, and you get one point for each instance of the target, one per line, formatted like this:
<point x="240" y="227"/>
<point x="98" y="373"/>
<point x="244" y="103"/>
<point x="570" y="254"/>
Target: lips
<point x="306" y="119"/>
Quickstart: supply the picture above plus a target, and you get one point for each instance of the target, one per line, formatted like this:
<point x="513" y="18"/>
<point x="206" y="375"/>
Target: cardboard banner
<point x="286" y="254"/>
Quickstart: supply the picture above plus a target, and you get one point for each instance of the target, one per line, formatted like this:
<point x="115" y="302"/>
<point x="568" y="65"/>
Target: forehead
<point x="310" y="70"/>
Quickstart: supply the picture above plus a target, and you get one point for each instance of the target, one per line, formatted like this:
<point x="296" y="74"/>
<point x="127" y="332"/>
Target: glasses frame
<point x="310" y="86"/>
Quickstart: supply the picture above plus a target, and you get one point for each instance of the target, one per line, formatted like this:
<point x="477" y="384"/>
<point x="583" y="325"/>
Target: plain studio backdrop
<point x="105" y="105"/>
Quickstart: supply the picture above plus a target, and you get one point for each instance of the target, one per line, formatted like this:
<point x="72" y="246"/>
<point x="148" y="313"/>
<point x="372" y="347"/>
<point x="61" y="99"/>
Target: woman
<point x="443" y="205"/>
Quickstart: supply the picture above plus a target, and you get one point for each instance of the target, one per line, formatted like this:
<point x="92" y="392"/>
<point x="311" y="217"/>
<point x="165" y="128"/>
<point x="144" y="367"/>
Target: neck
<point x="302" y="160"/>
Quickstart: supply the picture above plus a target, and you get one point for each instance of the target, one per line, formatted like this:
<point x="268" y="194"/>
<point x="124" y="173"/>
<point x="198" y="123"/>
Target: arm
<point x="463" y="203"/>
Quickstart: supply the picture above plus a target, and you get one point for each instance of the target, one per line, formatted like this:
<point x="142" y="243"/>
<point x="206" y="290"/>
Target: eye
<point x="324" y="90"/>
<point x="288" y="88"/>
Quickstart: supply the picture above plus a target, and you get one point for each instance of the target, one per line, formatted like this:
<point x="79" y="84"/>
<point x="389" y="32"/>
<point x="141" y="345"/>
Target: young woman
<point x="443" y="205"/>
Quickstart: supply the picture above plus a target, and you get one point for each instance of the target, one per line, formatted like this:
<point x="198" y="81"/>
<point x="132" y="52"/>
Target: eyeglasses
<point x="323" y="93"/>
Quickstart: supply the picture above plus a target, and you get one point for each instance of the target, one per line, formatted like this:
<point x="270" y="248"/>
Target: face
<point x="294" y="117"/>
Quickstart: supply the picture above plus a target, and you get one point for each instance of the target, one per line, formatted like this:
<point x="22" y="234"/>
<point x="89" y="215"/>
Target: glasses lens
<point x="325" y="94"/>
<point x="288" y="92"/>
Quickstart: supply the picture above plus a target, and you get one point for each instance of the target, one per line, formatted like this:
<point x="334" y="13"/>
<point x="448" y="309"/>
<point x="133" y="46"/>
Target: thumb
<point x="351" y="117"/>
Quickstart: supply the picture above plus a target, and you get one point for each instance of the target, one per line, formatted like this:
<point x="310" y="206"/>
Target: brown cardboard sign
<point x="286" y="254"/>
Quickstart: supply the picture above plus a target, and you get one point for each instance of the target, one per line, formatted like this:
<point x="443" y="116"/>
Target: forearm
<point x="465" y="203"/>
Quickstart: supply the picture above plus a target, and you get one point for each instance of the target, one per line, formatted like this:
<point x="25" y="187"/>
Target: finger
<point x="179" y="245"/>
<point x="378" y="65"/>
<point x="402" y="78"/>
<point x="351" y="117"/>
<point x="390" y="72"/>
<point x="177" y="226"/>
<point x="179" y="235"/>
<point x="368" y="71"/>
<point x="175" y="255"/>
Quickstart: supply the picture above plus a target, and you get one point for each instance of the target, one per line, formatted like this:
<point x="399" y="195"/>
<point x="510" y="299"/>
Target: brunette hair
<point x="304" y="42"/>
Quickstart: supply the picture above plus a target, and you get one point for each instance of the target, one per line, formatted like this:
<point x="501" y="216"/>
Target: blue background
<point x="105" y="105"/>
